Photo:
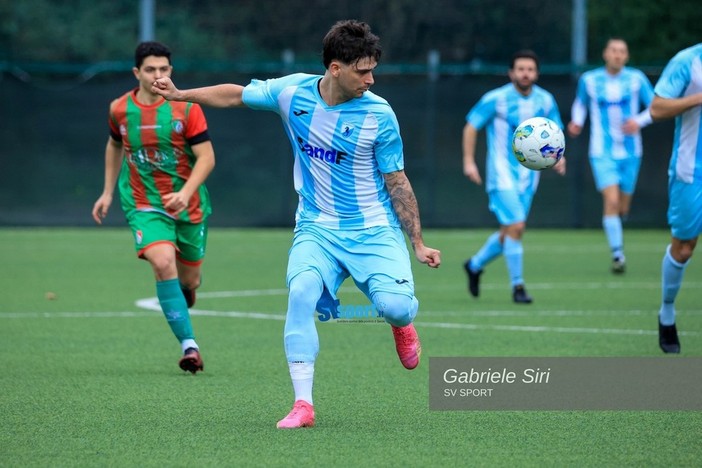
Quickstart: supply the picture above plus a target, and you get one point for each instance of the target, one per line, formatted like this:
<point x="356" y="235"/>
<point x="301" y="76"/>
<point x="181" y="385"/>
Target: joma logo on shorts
<point x="330" y="156"/>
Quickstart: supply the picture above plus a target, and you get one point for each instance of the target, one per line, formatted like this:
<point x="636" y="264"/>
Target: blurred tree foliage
<point x="655" y="29"/>
<point x="487" y="31"/>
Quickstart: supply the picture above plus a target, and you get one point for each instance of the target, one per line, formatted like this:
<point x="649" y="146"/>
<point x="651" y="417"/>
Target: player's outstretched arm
<point x="222" y="95"/>
<point x="470" y="169"/>
<point x="405" y="204"/>
<point x="578" y="114"/>
<point x="664" y="108"/>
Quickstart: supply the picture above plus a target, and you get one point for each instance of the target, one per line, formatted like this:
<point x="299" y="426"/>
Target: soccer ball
<point x="538" y="143"/>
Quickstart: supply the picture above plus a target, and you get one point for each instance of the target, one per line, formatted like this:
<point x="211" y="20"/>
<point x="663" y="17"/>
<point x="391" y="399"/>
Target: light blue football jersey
<point x="501" y="111"/>
<point x="612" y="100"/>
<point x="683" y="77"/>
<point x="340" y="152"/>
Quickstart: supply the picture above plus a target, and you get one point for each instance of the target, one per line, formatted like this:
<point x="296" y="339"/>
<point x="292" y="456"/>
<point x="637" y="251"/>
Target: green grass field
<point x="91" y="377"/>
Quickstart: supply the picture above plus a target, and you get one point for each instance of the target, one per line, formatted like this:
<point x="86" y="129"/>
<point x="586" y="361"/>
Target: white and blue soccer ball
<point x="538" y="143"/>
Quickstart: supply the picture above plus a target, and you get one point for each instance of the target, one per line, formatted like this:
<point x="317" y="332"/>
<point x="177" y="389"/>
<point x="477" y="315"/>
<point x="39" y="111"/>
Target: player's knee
<point x="191" y="285"/>
<point x="515" y="231"/>
<point x="397" y="309"/>
<point x="191" y="281"/>
<point x="684" y="253"/>
<point x="300" y="336"/>
<point x="164" y="267"/>
<point x="304" y="291"/>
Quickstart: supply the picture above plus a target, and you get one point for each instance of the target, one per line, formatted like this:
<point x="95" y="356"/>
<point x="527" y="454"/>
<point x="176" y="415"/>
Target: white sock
<point x="612" y="225"/>
<point x="188" y="343"/>
<point x="302" y="375"/>
<point x="672" y="277"/>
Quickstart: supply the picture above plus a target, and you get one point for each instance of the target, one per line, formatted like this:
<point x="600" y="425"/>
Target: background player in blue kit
<point x="510" y="186"/>
<point x="679" y="94"/>
<point x="614" y="95"/>
<point x="354" y="197"/>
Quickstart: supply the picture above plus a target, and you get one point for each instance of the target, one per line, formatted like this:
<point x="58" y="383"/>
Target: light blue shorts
<point x="376" y="258"/>
<point x="621" y="172"/>
<point x="685" y="209"/>
<point x="510" y="206"/>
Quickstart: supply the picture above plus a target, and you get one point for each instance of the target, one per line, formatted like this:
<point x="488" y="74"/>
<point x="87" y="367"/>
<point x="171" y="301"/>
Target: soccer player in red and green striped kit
<point x="160" y="153"/>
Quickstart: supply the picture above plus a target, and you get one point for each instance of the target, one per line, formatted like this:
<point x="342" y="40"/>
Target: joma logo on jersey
<point x="330" y="156"/>
<point x="623" y="102"/>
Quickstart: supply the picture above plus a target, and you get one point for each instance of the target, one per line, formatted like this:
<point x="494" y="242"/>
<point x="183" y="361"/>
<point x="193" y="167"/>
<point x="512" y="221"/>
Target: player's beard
<point x="524" y="86"/>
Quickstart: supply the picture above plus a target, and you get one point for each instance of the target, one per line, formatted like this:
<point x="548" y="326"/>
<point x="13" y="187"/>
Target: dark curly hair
<point x="146" y="49"/>
<point x="350" y="41"/>
<point x="525" y="53"/>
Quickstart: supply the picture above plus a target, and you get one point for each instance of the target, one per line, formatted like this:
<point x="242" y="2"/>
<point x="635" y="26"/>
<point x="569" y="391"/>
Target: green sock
<point x="174" y="308"/>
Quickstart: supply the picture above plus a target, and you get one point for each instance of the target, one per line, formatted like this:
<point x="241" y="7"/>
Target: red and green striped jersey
<point x="158" y="157"/>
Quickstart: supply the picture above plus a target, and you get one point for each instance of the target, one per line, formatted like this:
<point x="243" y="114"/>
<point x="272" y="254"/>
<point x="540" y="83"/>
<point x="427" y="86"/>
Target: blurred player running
<point x="679" y="94"/>
<point x="614" y="95"/>
<point x="161" y="154"/>
<point x="510" y="186"/>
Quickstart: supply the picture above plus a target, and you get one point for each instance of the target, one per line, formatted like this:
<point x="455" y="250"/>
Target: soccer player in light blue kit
<point x="614" y="95"/>
<point x="679" y="94"/>
<point x="510" y="186"/>
<point x="354" y="197"/>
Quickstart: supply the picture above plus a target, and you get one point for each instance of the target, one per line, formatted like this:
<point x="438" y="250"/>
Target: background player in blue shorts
<point x="509" y="185"/>
<point x="354" y="197"/>
<point x="679" y="95"/>
<point x="614" y="95"/>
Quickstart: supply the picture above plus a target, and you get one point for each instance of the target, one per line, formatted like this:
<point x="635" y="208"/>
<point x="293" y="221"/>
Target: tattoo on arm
<point x="405" y="204"/>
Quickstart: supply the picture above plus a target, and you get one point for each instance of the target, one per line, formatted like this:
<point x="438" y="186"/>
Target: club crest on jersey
<point x="177" y="126"/>
<point x="122" y="129"/>
<point x="346" y="129"/>
<point x="330" y="156"/>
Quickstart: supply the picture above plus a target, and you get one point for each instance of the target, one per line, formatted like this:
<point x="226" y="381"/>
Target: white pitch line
<point x="588" y="249"/>
<point x="541" y="329"/>
<point x="485" y="285"/>
<point x="51" y="315"/>
<point x="245" y="293"/>
<point x="547" y="313"/>
<point x="152" y="304"/>
<point x="263" y="316"/>
<point x="561" y="286"/>
<point x="253" y="315"/>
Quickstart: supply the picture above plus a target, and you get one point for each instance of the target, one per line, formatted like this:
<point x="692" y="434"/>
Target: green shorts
<point x="152" y="227"/>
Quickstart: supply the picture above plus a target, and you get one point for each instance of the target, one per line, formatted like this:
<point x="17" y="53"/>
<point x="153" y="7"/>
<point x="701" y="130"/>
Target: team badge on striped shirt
<point x="346" y="129"/>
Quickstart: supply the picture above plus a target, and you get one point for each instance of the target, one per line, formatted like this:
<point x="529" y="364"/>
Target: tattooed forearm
<point x="405" y="204"/>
